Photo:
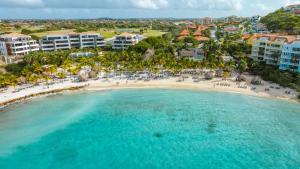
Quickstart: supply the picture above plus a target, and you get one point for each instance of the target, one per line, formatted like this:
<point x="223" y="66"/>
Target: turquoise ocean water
<point x="150" y="129"/>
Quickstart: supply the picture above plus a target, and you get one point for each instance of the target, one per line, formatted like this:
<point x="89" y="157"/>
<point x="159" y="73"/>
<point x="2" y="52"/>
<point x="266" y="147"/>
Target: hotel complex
<point x="290" y="58"/>
<point x="14" y="46"/>
<point x="71" y="40"/>
<point x="282" y="51"/>
<point x="125" y="40"/>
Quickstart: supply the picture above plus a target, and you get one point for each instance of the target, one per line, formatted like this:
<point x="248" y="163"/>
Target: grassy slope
<point x="107" y="33"/>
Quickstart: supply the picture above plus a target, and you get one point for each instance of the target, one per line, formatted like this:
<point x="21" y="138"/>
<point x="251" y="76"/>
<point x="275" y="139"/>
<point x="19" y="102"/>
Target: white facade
<point x="125" y="40"/>
<point x="13" y="45"/>
<point x="268" y="49"/>
<point x="290" y="57"/>
<point x="71" y="40"/>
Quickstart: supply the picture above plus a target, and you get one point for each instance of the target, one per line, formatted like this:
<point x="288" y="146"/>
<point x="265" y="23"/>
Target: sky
<point x="88" y="9"/>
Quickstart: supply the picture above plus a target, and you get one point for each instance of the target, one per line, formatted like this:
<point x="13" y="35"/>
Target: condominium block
<point x="15" y="45"/>
<point x="290" y="57"/>
<point x="71" y="40"/>
<point x="126" y="40"/>
<point x="268" y="48"/>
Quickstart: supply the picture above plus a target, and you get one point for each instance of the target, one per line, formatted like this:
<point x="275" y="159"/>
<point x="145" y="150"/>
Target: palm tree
<point x="67" y="65"/>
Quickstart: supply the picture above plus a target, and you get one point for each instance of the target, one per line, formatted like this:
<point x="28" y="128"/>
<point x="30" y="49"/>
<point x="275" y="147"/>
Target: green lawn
<point x="109" y="33"/>
<point x="41" y="34"/>
<point x="149" y="33"/>
<point x="106" y="33"/>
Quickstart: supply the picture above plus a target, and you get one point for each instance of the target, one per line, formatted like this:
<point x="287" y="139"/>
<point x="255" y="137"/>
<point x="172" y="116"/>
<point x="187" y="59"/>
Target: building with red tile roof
<point x="268" y="47"/>
<point x="184" y="32"/>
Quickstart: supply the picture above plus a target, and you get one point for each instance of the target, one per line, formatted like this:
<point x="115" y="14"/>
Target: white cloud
<point x="290" y="2"/>
<point x="262" y="6"/>
<point x="22" y="3"/>
<point x="214" y="4"/>
<point x="150" y="4"/>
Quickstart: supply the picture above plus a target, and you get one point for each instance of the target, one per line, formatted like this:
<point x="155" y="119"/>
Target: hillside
<point x="281" y="21"/>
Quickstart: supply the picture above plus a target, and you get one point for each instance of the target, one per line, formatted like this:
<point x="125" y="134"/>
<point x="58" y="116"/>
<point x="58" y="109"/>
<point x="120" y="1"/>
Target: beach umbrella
<point x="92" y="74"/>
<point x="241" y="78"/>
<point x="209" y="75"/>
<point x="83" y="77"/>
<point x="256" y="81"/>
<point x="219" y="73"/>
<point x="22" y="80"/>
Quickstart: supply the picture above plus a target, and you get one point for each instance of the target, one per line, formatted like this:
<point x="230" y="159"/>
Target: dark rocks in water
<point x="158" y="135"/>
<point x="211" y="128"/>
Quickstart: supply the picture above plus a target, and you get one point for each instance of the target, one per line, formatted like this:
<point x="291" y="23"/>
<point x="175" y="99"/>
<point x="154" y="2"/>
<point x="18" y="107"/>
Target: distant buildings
<point x="259" y="28"/>
<point x="232" y="19"/>
<point x="255" y="19"/>
<point x="295" y="8"/>
<point x="14" y="46"/>
<point x="256" y="26"/>
<point x="231" y="29"/>
<point x="125" y="40"/>
<point x="194" y="31"/>
<point x="290" y="57"/>
<point x="71" y="40"/>
<point x="282" y="51"/>
<point x="206" y="21"/>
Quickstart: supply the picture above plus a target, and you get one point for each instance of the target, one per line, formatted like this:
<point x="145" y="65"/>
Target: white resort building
<point x="71" y="40"/>
<point x="126" y="40"/>
<point x="14" y="46"/>
<point x="268" y="48"/>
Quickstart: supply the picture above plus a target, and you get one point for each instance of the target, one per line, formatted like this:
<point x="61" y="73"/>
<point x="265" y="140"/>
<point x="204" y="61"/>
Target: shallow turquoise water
<point x="165" y="129"/>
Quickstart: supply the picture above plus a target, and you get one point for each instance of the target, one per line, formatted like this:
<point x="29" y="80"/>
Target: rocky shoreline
<point x="30" y="96"/>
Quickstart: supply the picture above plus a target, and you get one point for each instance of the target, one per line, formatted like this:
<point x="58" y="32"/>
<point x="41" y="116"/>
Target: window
<point x="296" y="49"/>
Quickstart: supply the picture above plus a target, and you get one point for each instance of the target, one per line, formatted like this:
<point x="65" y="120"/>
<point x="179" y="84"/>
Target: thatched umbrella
<point x="92" y="74"/>
<point x="209" y="75"/>
<point x="219" y="73"/>
<point x="22" y="80"/>
<point x="83" y="77"/>
<point x="256" y="81"/>
<point x="241" y="78"/>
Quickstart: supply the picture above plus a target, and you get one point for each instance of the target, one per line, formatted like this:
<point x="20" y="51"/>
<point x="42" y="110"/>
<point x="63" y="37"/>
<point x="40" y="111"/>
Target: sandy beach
<point x="274" y="91"/>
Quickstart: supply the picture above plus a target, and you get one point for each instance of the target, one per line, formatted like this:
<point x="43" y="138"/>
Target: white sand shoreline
<point x="8" y="97"/>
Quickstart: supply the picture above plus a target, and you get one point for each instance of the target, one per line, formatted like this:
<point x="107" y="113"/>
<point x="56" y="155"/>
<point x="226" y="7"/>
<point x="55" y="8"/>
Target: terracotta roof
<point x="192" y="27"/>
<point x="201" y="38"/>
<point x="288" y="39"/>
<point x="202" y="27"/>
<point x="198" y="33"/>
<point x="181" y="37"/>
<point x="255" y="36"/>
<point x="184" y="32"/>
<point x="274" y="37"/>
<point x="200" y="30"/>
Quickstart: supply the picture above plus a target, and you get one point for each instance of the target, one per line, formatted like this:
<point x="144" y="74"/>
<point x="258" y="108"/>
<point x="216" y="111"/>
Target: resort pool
<point x="150" y="129"/>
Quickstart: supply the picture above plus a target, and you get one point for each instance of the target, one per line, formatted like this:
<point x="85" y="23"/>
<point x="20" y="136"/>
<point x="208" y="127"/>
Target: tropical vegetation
<point x="282" y="21"/>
